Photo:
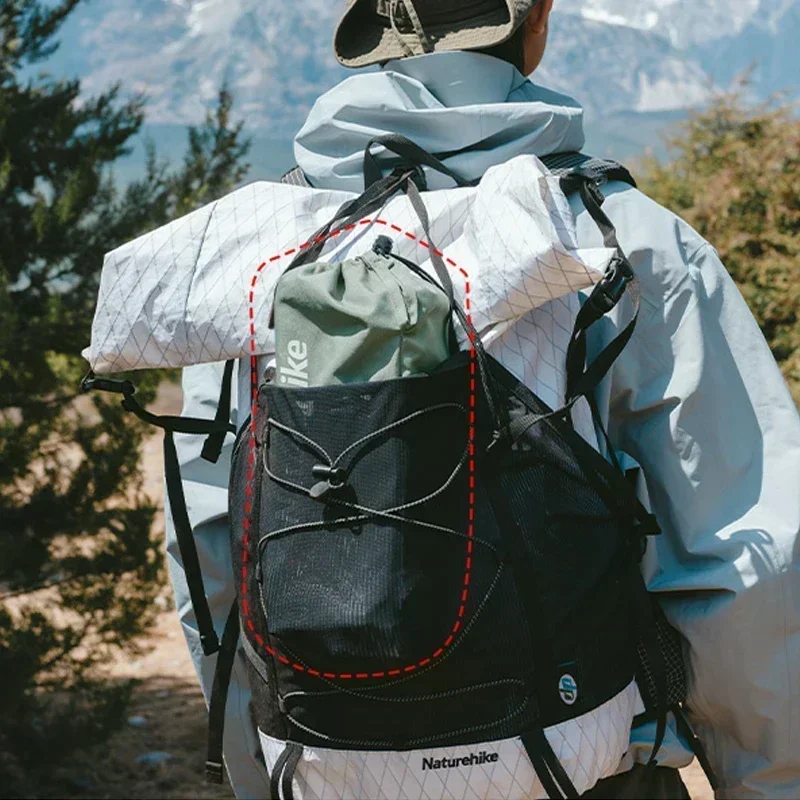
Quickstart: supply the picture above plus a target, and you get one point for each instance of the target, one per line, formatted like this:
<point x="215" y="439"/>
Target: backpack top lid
<point x="188" y="292"/>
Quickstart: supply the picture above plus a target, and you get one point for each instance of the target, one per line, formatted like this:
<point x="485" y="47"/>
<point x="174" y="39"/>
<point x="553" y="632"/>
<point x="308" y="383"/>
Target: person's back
<point x="695" y="400"/>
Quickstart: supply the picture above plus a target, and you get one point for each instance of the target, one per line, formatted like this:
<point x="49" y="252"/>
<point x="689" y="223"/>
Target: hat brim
<point x="361" y="40"/>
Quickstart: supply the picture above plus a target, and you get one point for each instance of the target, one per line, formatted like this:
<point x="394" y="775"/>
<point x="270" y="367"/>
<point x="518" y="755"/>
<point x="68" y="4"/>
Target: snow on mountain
<point x="613" y="55"/>
<point x="723" y="37"/>
<point x="276" y="56"/>
<point x="611" y="68"/>
<point x="683" y="23"/>
<point x="767" y="44"/>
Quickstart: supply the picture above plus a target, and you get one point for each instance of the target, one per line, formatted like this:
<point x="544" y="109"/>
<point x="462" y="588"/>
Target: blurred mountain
<point x="634" y="64"/>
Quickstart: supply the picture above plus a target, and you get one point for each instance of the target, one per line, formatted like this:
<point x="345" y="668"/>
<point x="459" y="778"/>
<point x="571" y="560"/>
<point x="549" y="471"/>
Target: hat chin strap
<point x="424" y="42"/>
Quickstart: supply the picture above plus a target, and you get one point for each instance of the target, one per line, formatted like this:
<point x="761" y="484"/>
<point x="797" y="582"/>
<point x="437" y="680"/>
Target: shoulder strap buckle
<point x="608" y="292"/>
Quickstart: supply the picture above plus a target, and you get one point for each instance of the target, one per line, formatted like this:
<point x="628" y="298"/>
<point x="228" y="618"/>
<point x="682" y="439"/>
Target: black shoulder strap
<point x="558" y="163"/>
<point x="585" y="174"/>
<point x="578" y="172"/>
<point x="572" y="166"/>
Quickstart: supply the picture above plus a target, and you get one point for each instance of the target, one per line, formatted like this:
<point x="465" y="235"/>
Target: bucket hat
<point x="373" y="31"/>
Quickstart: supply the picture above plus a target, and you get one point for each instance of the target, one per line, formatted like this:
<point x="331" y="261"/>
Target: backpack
<point x="438" y="580"/>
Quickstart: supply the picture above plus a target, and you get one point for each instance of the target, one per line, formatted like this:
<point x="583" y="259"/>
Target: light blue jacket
<point x="696" y="400"/>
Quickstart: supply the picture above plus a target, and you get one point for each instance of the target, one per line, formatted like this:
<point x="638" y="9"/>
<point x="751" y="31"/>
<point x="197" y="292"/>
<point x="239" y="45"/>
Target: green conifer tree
<point x="80" y="563"/>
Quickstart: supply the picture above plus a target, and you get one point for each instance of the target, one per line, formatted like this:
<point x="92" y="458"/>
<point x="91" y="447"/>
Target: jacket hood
<point x="477" y="108"/>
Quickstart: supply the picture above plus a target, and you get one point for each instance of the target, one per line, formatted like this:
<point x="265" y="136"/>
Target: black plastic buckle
<point x="611" y="287"/>
<point x="648" y="525"/>
<point x="91" y="382"/>
<point x="575" y="179"/>
<point x="209" y="642"/>
<point x="412" y="172"/>
<point x="213" y="772"/>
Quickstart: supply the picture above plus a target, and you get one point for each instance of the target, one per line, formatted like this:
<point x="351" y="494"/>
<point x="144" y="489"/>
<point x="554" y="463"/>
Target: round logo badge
<point x="568" y="689"/>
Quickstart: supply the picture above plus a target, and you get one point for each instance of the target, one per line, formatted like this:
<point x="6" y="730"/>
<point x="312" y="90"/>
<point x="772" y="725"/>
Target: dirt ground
<point x="167" y="715"/>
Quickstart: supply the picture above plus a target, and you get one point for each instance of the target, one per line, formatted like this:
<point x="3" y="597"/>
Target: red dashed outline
<point x="251" y="466"/>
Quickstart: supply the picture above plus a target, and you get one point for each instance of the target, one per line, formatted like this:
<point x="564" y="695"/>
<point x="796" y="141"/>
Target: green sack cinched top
<point x="365" y="319"/>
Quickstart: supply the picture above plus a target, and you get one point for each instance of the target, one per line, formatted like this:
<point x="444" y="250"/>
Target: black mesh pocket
<point x="363" y="521"/>
<point x="670" y="644"/>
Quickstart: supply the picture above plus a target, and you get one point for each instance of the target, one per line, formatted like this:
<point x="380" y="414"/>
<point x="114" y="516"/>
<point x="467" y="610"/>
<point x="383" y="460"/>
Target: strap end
<point x="209" y="642"/>
<point x="212" y="448"/>
<point x="214" y="772"/>
<point x="91" y="383"/>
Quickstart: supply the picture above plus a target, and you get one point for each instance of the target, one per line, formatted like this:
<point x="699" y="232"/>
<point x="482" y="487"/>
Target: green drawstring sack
<point x="369" y="318"/>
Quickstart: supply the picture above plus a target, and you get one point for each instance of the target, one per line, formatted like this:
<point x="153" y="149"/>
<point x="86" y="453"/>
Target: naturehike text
<point x="464" y="761"/>
<point x="296" y="372"/>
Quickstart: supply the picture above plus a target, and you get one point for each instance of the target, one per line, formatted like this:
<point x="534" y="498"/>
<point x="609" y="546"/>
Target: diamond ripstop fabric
<point x="179" y="295"/>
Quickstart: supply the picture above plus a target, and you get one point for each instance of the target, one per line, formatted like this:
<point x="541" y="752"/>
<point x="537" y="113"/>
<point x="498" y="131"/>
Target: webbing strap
<point x="219" y="695"/>
<point x="348" y="213"/>
<point x="172" y="474"/>
<point x="412" y="154"/>
<point x="598" y="421"/>
<point x="543" y="773"/>
<point x="212" y="448"/>
<point x="548" y="768"/>
<point x="603" y="298"/>
<point x="686" y="730"/>
<point x="187" y="547"/>
<point x="604" y="170"/>
<point x="558" y="163"/>
<point x="180" y="516"/>
<point x="496" y="409"/>
<point x="280" y="783"/>
<point x="289" y="770"/>
<point x="277" y="771"/>
<point x="442" y="273"/>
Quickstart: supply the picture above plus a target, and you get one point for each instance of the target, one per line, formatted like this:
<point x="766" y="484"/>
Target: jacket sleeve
<point x="698" y="401"/>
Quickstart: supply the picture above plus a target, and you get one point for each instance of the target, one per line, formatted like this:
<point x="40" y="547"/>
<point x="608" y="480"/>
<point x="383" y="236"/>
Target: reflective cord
<point x="367" y="512"/>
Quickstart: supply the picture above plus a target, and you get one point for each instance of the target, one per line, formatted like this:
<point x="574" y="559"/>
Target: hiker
<point x="694" y="405"/>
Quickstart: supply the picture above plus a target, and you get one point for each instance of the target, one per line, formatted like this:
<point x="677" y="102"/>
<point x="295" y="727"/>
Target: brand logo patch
<point x="568" y="689"/>
<point x="462" y="761"/>
<point x="295" y="371"/>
